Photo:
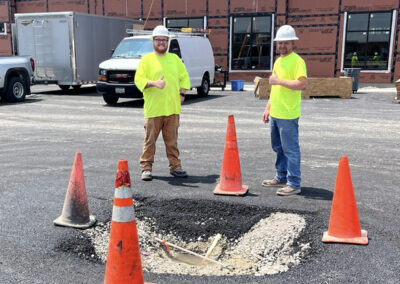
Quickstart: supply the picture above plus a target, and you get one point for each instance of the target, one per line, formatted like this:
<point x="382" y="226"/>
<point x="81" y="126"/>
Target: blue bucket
<point x="237" y="85"/>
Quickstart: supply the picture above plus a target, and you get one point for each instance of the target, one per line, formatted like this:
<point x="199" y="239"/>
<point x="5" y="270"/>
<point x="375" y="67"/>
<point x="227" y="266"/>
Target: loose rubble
<point x="269" y="247"/>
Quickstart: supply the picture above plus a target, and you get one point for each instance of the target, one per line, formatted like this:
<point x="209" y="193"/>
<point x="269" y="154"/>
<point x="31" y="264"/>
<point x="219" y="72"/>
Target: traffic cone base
<point x="363" y="240"/>
<point x="344" y="223"/>
<point x="61" y="221"/>
<point x="243" y="191"/>
<point x="75" y="212"/>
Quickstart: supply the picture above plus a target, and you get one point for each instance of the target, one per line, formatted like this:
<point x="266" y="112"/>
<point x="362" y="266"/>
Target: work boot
<point x="288" y="190"/>
<point x="272" y="182"/>
<point x="146" y="175"/>
<point x="179" y="173"/>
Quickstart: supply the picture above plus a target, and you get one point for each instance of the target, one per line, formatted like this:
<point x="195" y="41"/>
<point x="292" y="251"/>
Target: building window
<point x="367" y="44"/>
<point x="3" y="28"/>
<point x="186" y="23"/>
<point x="251" y="43"/>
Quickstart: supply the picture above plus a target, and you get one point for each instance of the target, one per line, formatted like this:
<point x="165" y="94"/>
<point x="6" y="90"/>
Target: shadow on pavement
<point x="84" y="91"/>
<point x="190" y="181"/>
<point x="316" y="193"/>
<point x="191" y="99"/>
<point x="138" y="103"/>
<point x="132" y="103"/>
<point x="28" y="100"/>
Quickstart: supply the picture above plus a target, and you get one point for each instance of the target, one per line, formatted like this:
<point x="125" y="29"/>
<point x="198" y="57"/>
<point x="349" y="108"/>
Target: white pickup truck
<point x="16" y="77"/>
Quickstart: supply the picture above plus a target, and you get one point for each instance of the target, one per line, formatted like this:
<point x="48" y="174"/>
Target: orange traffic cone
<point x="344" y="224"/>
<point x="231" y="178"/>
<point x="75" y="212"/>
<point x="123" y="259"/>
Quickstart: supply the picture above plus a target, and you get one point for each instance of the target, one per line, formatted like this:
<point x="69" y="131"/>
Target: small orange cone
<point x="344" y="224"/>
<point x="231" y="177"/>
<point x="75" y="212"/>
<point x="123" y="260"/>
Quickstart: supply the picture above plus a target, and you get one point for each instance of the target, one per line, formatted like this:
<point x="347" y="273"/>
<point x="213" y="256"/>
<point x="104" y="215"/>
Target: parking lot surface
<point x="40" y="137"/>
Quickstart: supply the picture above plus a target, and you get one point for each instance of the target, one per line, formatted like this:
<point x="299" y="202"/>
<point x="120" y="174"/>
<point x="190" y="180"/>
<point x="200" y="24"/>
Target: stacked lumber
<point x="316" y="87"/>
<point x="397" y="97"/>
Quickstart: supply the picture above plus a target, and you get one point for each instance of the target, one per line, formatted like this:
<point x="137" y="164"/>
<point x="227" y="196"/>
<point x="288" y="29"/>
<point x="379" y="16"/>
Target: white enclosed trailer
<point x="67" y="47"/>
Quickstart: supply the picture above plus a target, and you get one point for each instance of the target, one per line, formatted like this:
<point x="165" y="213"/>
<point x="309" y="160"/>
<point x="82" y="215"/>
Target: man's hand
<point x="299" y="84"/>
<point x="182" y="91"/>
<point x="160" y="83"/>
<point x="265" y="116"/>
<point x="274" y="79"/>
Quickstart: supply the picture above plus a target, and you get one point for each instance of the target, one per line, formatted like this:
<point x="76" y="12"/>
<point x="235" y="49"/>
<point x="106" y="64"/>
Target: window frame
<point x="391" y="38"/>
<point x="231" y="29"/>
<point x="204" y="19"/>
<point x="5" y="28"/>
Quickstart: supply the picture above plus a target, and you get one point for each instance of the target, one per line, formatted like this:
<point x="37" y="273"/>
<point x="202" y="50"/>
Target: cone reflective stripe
<point x="344" y="223"/>
<point x="123" y="202"/>
<point x="75" y="211"/>
<point x="123" y="259"/>
<point x="231" y="177"/>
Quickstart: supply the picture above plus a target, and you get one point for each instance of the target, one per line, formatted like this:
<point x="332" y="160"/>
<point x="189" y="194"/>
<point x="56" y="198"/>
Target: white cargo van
<point x="117" y="74"/>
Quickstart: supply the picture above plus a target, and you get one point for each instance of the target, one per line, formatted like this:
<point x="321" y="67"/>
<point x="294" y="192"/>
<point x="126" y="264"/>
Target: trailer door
<point x="47" y="40"/>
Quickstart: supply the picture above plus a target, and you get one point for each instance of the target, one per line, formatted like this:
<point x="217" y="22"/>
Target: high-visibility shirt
<point x="285" y="103"/>
<point x="161" y="102"/>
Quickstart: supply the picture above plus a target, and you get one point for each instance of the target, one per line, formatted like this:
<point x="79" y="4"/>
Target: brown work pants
<point x="169" y="126"/>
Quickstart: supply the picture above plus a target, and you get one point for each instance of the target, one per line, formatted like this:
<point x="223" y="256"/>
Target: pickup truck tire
<point x="203" y="90"/>
<point x="16" y="90"/>
<point x="109" y="99"/>
<point x="64" y="87"/>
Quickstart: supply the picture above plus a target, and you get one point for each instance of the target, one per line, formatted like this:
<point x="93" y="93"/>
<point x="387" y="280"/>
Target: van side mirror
<point x="112" y="51"/>
<point x="176" y="51"/>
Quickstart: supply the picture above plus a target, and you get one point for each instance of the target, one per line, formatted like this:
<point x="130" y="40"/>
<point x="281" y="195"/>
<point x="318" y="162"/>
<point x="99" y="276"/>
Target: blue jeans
<point x="285" y="142"/>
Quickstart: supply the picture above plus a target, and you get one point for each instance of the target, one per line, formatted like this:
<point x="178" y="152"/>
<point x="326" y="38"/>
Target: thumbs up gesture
<point x="160" y="83"/>
<point x="274" y="79"/>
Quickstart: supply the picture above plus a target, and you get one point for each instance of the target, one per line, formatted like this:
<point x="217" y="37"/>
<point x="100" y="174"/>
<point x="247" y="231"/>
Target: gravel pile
<point x="269" y="247"/>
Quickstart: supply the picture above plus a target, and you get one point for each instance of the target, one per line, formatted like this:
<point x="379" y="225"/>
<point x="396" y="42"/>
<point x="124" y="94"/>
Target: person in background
<point x="288" y="79"/>
<point x="376" y="57"/>
<point x="354" y="59"/>
<point x="376" y="60"/>
<point x="163" y="79"/>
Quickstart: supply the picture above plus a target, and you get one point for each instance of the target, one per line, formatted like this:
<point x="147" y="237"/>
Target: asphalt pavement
<point x="40" y="137"/>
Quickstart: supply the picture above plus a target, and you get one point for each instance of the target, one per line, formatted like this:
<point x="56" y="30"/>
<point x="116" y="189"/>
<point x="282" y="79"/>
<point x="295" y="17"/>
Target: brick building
<point x="334" y="34"/>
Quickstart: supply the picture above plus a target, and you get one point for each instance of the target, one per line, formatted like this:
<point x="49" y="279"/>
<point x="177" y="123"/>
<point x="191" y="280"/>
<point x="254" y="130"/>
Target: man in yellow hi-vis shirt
<point x="163" y="79"/>
<point x="289" y="77"/>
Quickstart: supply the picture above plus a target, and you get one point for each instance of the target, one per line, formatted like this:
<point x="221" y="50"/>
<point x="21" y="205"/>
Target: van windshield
<point x="133" y="48"/>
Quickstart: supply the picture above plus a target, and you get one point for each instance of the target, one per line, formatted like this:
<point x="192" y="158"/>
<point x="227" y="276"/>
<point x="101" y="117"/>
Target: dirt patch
<point x="255" y="240"/>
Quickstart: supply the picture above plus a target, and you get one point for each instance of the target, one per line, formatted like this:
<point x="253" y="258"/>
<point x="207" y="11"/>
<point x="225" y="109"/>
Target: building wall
<point x="5" y="39"/>
<point x="319" y="25"/>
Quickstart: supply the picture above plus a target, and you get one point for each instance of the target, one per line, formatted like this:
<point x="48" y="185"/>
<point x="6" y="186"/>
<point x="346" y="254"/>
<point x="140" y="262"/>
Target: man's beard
<point x="285" y="51"/>
<point x="160" y="51"/>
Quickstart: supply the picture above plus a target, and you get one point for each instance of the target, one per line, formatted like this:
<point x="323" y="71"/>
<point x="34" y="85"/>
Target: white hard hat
<point x="284" y="33"/>
<point x="160" y="31"/>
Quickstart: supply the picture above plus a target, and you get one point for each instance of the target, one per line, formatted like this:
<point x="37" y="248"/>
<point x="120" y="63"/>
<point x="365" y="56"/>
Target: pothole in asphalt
<point x="245" y="239"/>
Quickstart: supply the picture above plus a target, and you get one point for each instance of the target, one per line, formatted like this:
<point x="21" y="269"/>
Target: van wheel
<point x="16" y="90"/>
<point x="109" y="99"/>
<point x="203" y="90"/>
<point x="76" y="87"/>
<point x="64" y="87"/>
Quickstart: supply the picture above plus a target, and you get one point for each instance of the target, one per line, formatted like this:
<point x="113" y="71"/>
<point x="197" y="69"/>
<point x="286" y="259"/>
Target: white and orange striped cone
<point x="123" y="260"/>
<point x="75" y="211"/>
